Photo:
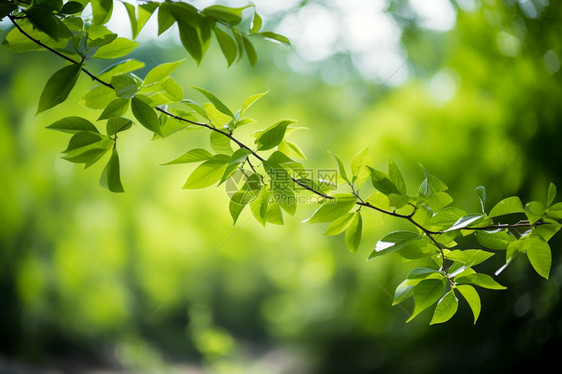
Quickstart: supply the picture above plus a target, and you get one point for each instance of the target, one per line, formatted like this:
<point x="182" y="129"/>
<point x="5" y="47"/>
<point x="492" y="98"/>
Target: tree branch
<point x="429" y="233"/>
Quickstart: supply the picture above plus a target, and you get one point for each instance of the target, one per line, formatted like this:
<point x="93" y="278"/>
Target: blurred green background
<point x="158" y="280"/>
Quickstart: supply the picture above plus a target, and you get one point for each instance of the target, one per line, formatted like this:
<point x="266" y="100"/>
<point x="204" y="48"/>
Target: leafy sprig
<point x="270" y="181"/>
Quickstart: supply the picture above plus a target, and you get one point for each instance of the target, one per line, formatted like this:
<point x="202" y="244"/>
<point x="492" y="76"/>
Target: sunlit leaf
<point x="125" y="86"/>
<point x="273" y="135"/>
<point x="160" y="72"/>
<point x="393" y="242"/>
<point x="208" y="173"/>
<point x="481" y="280"/>
<point x="193" y="155"/>
<point x="118" y="124"/>
<point x="481" y="192"/>
<point x="446" y="308"/>
<point x="215" y="101"/>
<point x="538" y="252"/>
<point x="145" y="115"/>
<point x="507" y="206"/>
<point x="498" y="239"/>
<point x="472" y="298"/>
<point x="276" y="37"/>
<point x="427" y="293"/>
<point x="58" y="87"/>
<point x="256" y="23"/>
<point x="101" y="10"/>
<point x="250" y="100"/>
<point x="116" y="108"/>
<point x="353" y="233"/>
<point x="117" y="48"/>
<point x="73" y="125"/>
<point x="250" y="51"/>
<point x="551" y="194"/>
<point x="227" y="45"/>
<point x="333" y="208"/>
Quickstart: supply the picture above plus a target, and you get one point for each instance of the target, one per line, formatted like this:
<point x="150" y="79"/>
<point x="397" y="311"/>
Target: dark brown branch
<point x="229" y="135"/>
<point x="38" y="42"/>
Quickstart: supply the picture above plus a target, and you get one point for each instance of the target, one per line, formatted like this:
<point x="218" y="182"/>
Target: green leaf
<point x="18" y="42"/>
<point x="534" y="210"/>
<point x="359" y="169"/>
<point x="207" y="173"/>
<point x="121" y="67"/>
<point x="98" y="97"/>
<point x="339" y="225"/>
<point x="405" y="290"/>
<point x="220" y="143"/>
<point x="295" y="148"/>
<point x="160" y="72"/>
<point x="99" y="35"/>
<point x="116" y="108"/>
<point x="131" y="12"/>
<point x="393" y="242"/>
<point x="73" y="125"/>
<point x="446" y="308"/>
<point x="194" y="155"/>
<point x="382" y="182"/>
<point x="427" y="293"/>
<point x="145" y="11"/>
<point x="256" y="23"/>
<point x="250" y="51"/>
<point x="232" y="16"/>
<point x="165" y="19"/>
<point x="396" y="177"/>
<point x="72" y="7"/>
<point x="475" y="257"/>
<point x="250" y="100"/>
<point x="353" y="234"/>
<point x="259" y="206"/>
<point x="117" y="48"/>
<point x="190" y="40"/>
<point x="145" y="115"/>
<point x="482" y="280"/>
<point x="539" y="255"/>
<point x="498" y="239"/>
<point x="341" y="168"/>
<point x="422" y="273"/>
<point x="87" y="147"/>
<point x="118" y="124"/>
<point x="333" y="208"/>
<point x="507" y="206"/>
<point x="555" y="211"/>
<point x="431" y="185"/>
<point x="481" y="192"/>
<point x="276" y="37"/>
<point x="466" y="221"/>
<point x="239" y="156"/>
<point x="227" y="45"/>
<point x="101" y="10"/>
<point x="472" y="298"/>
<point x="273" y="214"/>
<point x="439" y="201"/>
<point x="215" y="101"/>
<point x="112" y="173"/>
<point x="235" y="207"/>
<point x="44" y="20"/>
<point x="551" y="194"/>
<point x="125" y="85"/>
<point x="58" y="87"/>
<point x="273" y="135"/>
